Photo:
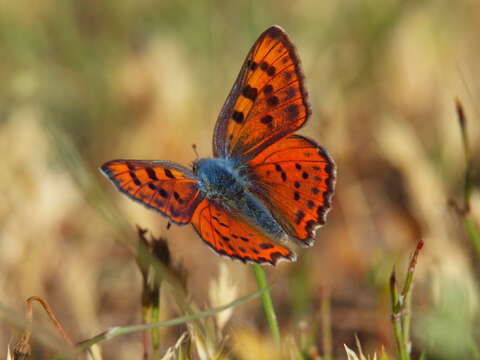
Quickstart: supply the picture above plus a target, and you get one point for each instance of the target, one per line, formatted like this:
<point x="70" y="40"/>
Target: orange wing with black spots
<point x="295" y="178"/>
<point x="163" y="186"/>
<point x="267" y="102"/>
<point x="230" y="235"/>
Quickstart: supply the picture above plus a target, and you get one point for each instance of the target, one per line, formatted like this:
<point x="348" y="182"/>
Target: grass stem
<point x="471" y="227"/>
<point x="407" y="297"/>
<point x="473" y="232"/>
<point x="402" y="353"/>
<point x="123" y="330"/>
<point x="267" y="302"/>
<point x="401" y="307"/>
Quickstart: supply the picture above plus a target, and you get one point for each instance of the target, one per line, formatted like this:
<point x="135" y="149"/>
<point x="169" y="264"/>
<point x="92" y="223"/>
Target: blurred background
<point x="83" y="82"/>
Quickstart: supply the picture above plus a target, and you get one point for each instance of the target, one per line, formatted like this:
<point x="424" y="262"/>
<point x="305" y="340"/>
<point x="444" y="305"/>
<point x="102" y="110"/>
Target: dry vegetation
<point x="83" y="82"/>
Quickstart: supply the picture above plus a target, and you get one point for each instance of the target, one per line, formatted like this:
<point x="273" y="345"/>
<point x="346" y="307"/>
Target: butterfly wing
<point x="230" y="235"/>
<point x="166" y="187"/>
<point x="267" y="102"/>
<point x="295" y="178"/>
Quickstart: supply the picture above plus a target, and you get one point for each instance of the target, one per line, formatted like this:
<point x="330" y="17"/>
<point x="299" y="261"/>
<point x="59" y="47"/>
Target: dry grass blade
<point x="22" y="348"/>
<point x="351" y="355"/>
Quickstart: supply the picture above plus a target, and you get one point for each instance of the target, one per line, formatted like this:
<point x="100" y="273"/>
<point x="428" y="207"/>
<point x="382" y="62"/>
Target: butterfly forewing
<point x="268" y="100"/>
<point x="295" y="178"/>
<point x="230" y="235"/>
<point x="166" y="187"/>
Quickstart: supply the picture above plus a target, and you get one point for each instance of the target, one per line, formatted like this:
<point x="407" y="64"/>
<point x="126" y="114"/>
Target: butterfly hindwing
<point x="230" y="235"/>
<point x="295" y="178"/>
<point x="164" y="186"/>
<point x="267" y="102"/>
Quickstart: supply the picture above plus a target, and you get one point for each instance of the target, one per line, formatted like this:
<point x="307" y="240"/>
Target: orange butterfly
<point x="265" y="184"/>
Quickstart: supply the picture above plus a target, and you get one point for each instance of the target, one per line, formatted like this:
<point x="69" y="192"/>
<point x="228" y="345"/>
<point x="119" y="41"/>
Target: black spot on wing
<point x="290" y="93"/>
<point x="252" y="65"/>
<point x="163" y="193"/>
<point x="178" y="198"/>
<point x="135" y="178"/>
<point x="287" y="75"/>
<point x="237" y="116"/>
<point x="151" y="173"/>
<point x="268" y="89"/>
<point x="266" y="246"/>
<point x="168" y="173"/>
<point x="250" y="92"/>
<point x="273" y="101"/>
<point x="267" y="119"/>
<point x="292" y="111"/>
<point x="299" y="217"/>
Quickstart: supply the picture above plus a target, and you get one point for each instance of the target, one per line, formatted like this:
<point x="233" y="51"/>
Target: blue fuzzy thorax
<point x="219" y="178"/>
<point x="221" y="181"/>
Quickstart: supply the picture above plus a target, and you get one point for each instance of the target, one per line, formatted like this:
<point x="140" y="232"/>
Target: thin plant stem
<point x="155" y="333"/>
<point x="406" y="319"/>
<point x="396" y="319"/>
<point x="471" y="227"/>
<point x="407" y="296"/>
<point x="123" y="330"/>
<point x="267" y="303"/>
<point x="472" y="232"/>
<point x="156" y="248"/>
<point x="401" y="305"/>
<point x="50" y="314"/>
<point x="462" y="120"/>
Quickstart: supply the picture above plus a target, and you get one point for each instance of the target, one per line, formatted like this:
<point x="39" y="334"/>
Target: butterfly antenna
<point x="194" y="147"/>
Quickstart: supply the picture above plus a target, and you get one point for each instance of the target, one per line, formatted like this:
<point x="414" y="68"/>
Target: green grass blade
<point x="123" y="330"/>
<point x="267" y="302"/>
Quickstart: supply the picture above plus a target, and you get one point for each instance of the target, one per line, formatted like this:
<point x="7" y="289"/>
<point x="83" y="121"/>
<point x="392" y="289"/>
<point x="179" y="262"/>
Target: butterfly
<point x="265" y="185"/>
